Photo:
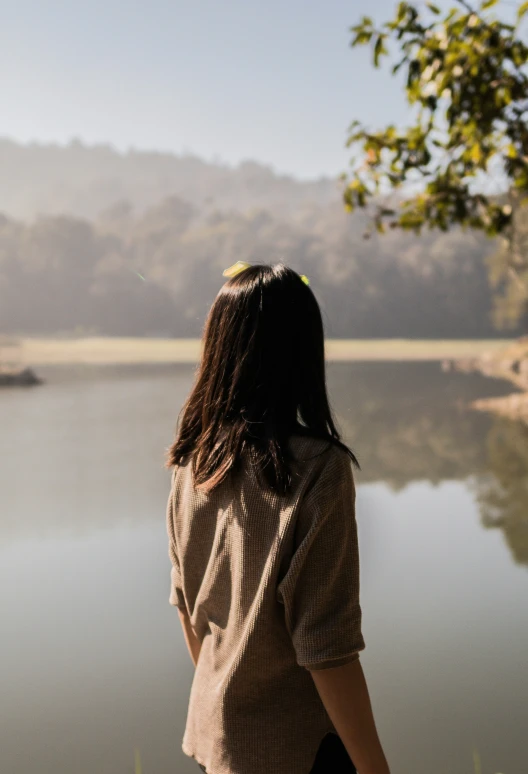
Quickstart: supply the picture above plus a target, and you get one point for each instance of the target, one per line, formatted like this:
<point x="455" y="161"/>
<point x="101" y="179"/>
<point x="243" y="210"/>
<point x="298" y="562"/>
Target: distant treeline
<point x="143" y="268"/>
<point x="157" y="272"/>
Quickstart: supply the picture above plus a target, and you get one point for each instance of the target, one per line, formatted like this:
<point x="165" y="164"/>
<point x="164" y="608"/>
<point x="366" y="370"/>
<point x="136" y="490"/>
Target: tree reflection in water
<point x="502" y="493"/>
<point x="407" y="422"/>
<point x="410" y="422"/>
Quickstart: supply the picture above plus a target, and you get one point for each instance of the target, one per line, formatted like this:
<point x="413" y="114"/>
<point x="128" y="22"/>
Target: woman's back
<point x="271" y="585"/>
<point x="263" y="542"/>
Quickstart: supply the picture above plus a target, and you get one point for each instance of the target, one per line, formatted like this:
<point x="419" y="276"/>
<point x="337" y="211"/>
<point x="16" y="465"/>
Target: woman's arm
<point x="193" y="643"/>
<point x="344" y="693"/>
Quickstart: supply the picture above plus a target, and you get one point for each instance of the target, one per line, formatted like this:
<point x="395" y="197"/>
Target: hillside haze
<point x="99" y="242"/>
<point x="84" y="181"/>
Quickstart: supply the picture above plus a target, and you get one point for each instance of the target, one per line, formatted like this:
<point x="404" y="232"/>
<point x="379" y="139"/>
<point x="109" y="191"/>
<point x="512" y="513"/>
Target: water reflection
<point x="407" y="422"/>
<point x="93" y="661"/>
<point x="502" y="493"/>
<point x="411" y="423"/>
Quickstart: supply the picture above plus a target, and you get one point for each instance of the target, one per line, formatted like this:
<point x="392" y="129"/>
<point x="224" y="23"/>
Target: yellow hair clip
<point x="239" y="266"/>
<point x="235" y="269"/>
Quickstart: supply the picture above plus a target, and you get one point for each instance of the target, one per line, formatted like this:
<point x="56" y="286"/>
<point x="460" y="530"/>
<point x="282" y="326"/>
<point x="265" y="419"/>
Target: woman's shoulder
<point x="180" y="473"/>
<point x="321" y="455"/>
<point x="324" y="473"/>
<point x="310" y="447"/>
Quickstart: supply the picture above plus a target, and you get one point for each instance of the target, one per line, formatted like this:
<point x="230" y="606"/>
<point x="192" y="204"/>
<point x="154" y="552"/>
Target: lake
<point x="93" y="662"/>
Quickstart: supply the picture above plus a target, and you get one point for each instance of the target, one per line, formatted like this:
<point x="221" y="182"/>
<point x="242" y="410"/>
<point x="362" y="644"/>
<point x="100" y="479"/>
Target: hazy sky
<point x="273" y="80"/>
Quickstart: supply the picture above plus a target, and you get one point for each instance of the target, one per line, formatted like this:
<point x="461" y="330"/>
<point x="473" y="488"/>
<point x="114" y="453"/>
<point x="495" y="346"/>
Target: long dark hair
<point x="261" y="380"/>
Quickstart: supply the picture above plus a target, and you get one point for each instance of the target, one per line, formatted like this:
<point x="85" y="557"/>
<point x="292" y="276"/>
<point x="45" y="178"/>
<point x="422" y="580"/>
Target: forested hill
<point x="84" y="180"/>
<point x="135" y="244"/>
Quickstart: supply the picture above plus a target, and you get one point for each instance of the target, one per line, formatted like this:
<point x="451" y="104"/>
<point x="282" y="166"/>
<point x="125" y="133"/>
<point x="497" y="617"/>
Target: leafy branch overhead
<point x="465" y="75"/>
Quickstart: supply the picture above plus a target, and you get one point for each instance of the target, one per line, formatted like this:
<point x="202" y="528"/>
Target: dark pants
<point x="331" y="758"/>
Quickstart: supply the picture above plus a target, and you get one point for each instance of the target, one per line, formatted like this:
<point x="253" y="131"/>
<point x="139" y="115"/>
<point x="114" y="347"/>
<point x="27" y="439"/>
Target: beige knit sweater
<point x="271" y="585"/>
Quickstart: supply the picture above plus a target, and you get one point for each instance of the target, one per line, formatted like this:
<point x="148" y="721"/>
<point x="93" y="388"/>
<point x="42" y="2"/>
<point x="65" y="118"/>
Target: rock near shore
<point x="512" y="406"/>
<point x="24" y="377"/>
<point x="510" y="364"/>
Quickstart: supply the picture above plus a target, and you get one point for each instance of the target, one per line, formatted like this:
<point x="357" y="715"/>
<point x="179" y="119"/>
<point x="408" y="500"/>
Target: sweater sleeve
<point x="176" y="596"/>
<point x="320" y="590"/>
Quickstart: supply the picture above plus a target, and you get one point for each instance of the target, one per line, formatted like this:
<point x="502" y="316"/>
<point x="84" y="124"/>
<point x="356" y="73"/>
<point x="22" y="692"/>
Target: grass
<point x="121" y="351"/>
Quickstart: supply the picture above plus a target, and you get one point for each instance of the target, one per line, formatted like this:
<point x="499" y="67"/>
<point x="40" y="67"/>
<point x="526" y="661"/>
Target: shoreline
<point x="37" y="352"/>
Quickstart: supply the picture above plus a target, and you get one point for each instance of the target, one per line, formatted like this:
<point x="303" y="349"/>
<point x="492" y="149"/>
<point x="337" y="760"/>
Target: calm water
<point x="93" y="662"/>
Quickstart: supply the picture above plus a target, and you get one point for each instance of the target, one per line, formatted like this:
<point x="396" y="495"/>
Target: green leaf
<point x="361" y="38"/>
<point x="522" y="10"/>
<point x="476" y="153"/>
<point x="379" y="50"/>
<point x="400" y="14"/>
<point x="434" y="8"/>
<point x="488" y="4"/>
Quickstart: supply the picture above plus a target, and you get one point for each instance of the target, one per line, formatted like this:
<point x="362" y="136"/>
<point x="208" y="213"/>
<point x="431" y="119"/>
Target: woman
<point x="263" y="544"/>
